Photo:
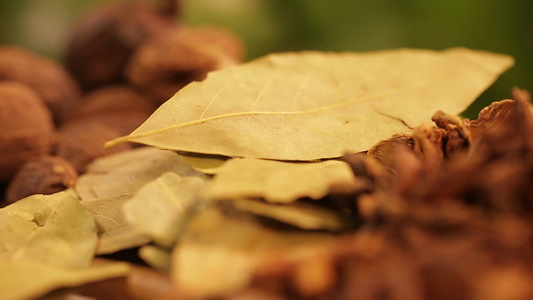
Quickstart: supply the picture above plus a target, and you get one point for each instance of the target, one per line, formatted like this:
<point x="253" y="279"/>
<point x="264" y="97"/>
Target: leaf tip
<point x="116" y="142"/>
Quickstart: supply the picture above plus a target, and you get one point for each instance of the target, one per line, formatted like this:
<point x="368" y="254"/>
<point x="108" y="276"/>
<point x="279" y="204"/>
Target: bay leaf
<point x="158" y="258"/>
<point x="302" y="215"/>
<point x="53" y="229"/>
<point x="29" y="280"/>
<point x="127" y="171"/>
<point x="114" y="233"/>
<point x="206" y="165"/>
<point x="218" y="254"/>
<point x="313" y="105"/>
<point x="281" y="182"/>
<point x="159" y="207"/>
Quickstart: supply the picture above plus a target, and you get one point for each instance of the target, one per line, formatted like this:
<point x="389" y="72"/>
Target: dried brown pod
<point x="385" y="150"/>
<point x="174" y="58"/>
<point x="428" y="145"/>
<point x="456" y="136"/>
<point x="49" y="80"/>
<point x="112" y="100"/>
<point x="103" y="41"/>
<point x="81" y="142"/>
<point x="27" y="127"/>
<point x="44" y="175"/>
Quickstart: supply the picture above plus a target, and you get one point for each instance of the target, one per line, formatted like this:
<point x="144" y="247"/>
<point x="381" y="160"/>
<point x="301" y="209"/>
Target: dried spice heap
<point x="438" y="221"/>
<point x="257" y="198"/>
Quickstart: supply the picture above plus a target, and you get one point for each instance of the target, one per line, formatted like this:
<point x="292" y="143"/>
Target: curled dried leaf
<point x="114" y="233"/>
<point x="53" y="229"/>
<point x="302" y="215"/>
<point x="128" y="171"/>
<point x="161" y="207"/>
<point x="281" y="182"/>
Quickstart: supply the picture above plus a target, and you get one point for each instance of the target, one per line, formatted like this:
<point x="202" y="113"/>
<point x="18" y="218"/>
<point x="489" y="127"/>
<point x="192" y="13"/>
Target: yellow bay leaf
<point x="127" y="171"/>
<point x="160" y="206"/>
<point x="205" y="164"/>
<point x="218" y="254"/>
<point x="312" y="105"/>
<point x="156" y="257"/>
<point x="114" y="233"/>
<point x="25" y="280"/>
<point x="53" y="229"/>
<point x="281" y="182"/>
<point x="302" y="215"/>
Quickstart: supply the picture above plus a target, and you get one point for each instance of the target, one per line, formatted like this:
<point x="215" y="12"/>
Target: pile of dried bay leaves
<point x="299" y="176"/>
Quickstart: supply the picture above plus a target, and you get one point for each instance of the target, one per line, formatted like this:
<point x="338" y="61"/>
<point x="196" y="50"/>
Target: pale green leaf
<point x="159" y="207"/>
<point x="114" y="233"/>
<point x="25" y="280"/>
<point x="312" y="105"/>
<point x="53" y="229"/>
<point x="127" y="171"/>
<point x="281" y="182"/>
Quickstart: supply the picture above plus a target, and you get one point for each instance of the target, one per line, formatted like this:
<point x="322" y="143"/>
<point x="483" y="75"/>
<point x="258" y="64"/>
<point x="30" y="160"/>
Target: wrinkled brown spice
<point x="460" y="229"/>
<point x="48" y="79"/>
<point x="45" y="175"/>
<point x="27" y="127"/>
<point x="104" y="40"/>
<point x="81" y="142"/>
<point x="111" y="100"/>
<point x="174" y="58"/>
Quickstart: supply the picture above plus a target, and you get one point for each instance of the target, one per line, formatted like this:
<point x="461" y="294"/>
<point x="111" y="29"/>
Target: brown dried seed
<point x="103" y="41"/>
<point x="124" y="123"/>
<point x="27" y="127"/>
<point x="81" y="142"/>
<point x="113" y="100"/>
<point x="49" y="80"/>
<point x="174" y="58"/>
<point x="44" y="175"/>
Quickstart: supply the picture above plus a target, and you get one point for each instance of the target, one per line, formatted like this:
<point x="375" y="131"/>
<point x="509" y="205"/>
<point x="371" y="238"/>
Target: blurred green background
<point x="504" y="26"/>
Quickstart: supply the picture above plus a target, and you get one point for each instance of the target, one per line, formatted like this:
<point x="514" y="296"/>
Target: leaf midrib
<point x="124" y="139"/>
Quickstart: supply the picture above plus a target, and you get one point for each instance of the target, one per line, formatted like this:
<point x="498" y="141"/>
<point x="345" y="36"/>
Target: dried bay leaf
<point x="156" y="257"/>
<point x="281" y="182"/>
<point x="312" y="105"/>
<point x="218" y="254"/>
<point x="53" y="229"/>
<point x="127" y="171"/>
<point x="206" y="165"/>
<point x="28" y="280"/>
<point x="114" y="233"/>
<point x="159" y="207"/>
<point x="302" y="215"/>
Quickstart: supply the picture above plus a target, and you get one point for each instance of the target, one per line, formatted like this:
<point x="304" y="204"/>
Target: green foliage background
<point x="504" y="26"/>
